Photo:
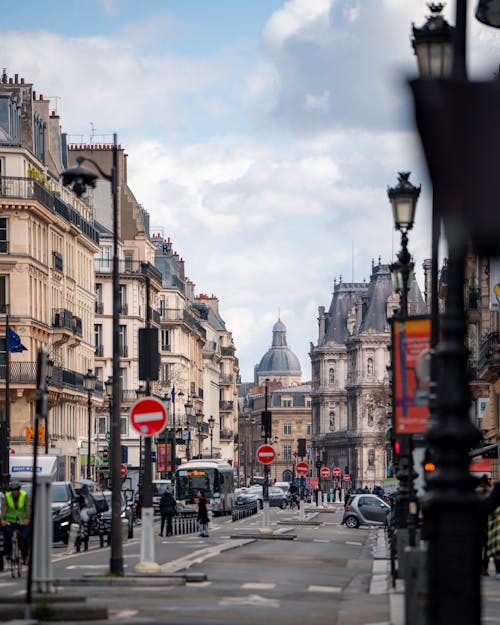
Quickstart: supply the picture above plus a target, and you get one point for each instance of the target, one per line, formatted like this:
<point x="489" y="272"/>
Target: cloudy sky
<point x="262" y="134"/>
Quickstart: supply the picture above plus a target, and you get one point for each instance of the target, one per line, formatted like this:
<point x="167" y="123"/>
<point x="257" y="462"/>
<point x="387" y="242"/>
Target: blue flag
<point x="14" y="341"/>
<point x="172" y="394"/>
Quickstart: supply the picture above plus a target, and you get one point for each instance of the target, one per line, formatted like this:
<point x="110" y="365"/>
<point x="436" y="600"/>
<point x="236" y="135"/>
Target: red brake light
<point x="347" y="508"/>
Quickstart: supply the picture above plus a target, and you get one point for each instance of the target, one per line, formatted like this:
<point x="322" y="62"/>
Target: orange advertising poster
<point x="410" y="338"/>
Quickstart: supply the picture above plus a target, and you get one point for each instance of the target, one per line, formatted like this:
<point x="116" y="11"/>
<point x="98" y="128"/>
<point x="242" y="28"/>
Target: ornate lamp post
<point x="403" y="198"/>
<point x="211" y="423"/>
<point x="199" y="421"/>
<point x="79" y="178"/>
<point x="89" y="385"/>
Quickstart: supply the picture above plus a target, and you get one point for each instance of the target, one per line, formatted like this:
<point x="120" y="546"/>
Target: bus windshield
<point x="190" y="481"/>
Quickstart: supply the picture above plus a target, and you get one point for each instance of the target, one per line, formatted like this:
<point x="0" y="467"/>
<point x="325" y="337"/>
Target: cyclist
<point x="16" y="512"/>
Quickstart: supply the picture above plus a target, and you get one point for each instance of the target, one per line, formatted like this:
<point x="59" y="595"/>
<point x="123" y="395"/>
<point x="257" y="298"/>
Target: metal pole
<point x="89" y="405"/>
<point x="211" y="442"/>
<point x="265" y="489"/>
<point x="5" y="431"/>
<point x="116" y="557"/>
<point x="174" y="442"/>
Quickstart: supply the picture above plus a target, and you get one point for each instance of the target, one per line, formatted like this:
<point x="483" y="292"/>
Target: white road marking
<point x="353" y="542"/>
<point x="199" y="584"/>
<point x="257" y="586"/>
<point x="324" y="589"/>
<point x="320" y="540"/>
<point x="253" y="600"/>
<point x="123" y="613"/>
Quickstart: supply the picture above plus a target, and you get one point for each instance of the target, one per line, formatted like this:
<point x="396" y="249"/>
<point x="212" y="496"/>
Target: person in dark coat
<point x="202" y="513"/>
<point x="167" y="511"/>
<point x="492" y="508"/>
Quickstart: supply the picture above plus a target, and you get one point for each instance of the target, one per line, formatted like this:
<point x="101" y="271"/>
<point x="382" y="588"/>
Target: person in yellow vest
<point x="16" y="512"/>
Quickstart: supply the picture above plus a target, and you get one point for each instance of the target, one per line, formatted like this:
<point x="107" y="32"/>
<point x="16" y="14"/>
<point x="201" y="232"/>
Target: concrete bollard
<point x="415" y="586"/>
<point x="124" y="529"/>
<point x="74" y="533"/>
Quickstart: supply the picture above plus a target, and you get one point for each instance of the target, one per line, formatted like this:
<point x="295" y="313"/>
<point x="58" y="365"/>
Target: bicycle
<point x="15" y="554"/>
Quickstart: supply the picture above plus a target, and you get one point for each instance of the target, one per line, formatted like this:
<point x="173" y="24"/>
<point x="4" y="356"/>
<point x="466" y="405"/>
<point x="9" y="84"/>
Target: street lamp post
<point x="189" y="411"/>
<point x="89" y="385"/>
<point x="456" y="120"/>
<point x="403" y="198"/>
<point x="199" y="421"/>
<point x="211" y="423"/>
<point x="79" y="178"/>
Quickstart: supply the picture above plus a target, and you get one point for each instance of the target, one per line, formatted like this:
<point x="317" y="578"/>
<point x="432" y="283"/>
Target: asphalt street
<point x="316" y="572"/>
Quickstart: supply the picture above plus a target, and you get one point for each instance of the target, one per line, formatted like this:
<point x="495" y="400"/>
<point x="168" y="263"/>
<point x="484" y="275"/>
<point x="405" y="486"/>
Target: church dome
<point x="279" y="360"/>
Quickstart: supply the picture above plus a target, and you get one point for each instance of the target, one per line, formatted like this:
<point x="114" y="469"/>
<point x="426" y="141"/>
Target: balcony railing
<point x="123" y="308"/>
<point x="489" y="355"/>
<point x="62" y="318"/>
<point x="165" y="347"/>
<point x="26" y="373"/>
<point x="227" y="351"/>
<point x="226" y="378"/>
<point x="28" y="188"/>
<point x="99" y="308"/>
<point x="128" y="268"/>
<point x="226" y="405"/>
<point x="226" y="435"/>
<point x="99" y="351"/>
<point x="123" y="351"/>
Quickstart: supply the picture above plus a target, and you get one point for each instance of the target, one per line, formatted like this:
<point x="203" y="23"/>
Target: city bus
<point x="215" y="477"/>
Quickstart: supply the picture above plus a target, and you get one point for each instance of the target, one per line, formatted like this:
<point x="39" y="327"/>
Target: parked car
<point x="364" y="509"/>
<point x="65" y="507"/>
<point x="285" y="486"/>
<point x="126" y="513"/>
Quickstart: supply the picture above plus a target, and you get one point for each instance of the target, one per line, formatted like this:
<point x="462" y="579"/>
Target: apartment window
<point x="4" y="242"/>
<point x="165" y="340"/>
<point x="123" y="340"/>
<point x="3" y="295"/>
<point x="98" y="336"/>
<point x="104" y="258"/>
<point x="308" y="402"/>
<point x="164" y="372"/>
<point x="162" y="306"/>
<point x="129" y="261"/>
<point x="124" y="426"/>
<point x="102" y="425"/>
<point x="309" y="429"/>
<point x="287" y="429"/>
<point x="287" y="452"/>
<point x="286" y="403"/>
<point x="123" y="300"/>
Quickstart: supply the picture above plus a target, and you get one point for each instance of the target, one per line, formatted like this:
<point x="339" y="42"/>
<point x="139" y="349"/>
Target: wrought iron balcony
<point x="226" y="435"/>
<point x="99" y="308"/>
<point x="226" y="378"/>
<point x="489" y="357"/>
<point x="226" y="405"/>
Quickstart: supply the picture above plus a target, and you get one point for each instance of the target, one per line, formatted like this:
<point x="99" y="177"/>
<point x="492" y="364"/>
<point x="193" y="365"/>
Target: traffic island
<point x="258" y="535"/>
<point x="50" y="607"/>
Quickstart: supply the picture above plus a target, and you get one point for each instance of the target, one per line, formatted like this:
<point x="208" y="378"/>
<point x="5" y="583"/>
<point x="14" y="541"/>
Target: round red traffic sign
<point x="123" y="470"/>
<point x="347" y="477"/>
<point x="266" y="454"/>
<point x="337" y="471"/>
<point x="325" y="472"/>
<point x="148" y="416"/>
<point x="302" y="468"/>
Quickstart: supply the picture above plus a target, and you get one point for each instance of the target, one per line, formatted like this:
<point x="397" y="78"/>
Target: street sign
<point x="347" y="477"/>
<point x="266" y="454"/>
<point x="302" y="468"/>
<point x="325" y="472"/>
<point x="123" y="470"/>
<point x="148" y="416"/>
<point x="337" y="471"/>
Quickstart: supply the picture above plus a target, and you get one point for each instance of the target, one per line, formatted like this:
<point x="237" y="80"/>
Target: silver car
<point x="365" y="509"/>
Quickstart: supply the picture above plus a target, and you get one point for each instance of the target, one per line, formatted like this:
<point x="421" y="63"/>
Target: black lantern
<point x="403" y="199"/>
<point x="433" y="44"/>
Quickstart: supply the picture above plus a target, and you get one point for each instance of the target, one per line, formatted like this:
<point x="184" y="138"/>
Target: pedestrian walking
<point x="202" y="513"/>
<point x="168" y="510"/>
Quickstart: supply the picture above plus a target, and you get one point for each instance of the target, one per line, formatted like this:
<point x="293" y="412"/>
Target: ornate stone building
<point x="350" y="386"/>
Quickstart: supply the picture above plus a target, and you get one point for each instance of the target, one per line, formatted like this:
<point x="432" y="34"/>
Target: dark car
<point x="277" y="498"/>
<point x="364" y="509"/>
<point x="65" y="507"/>
<point x="126" y="513"/>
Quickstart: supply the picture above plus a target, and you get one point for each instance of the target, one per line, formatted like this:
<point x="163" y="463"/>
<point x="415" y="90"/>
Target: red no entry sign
<point x="337" y="471"/>
<point x="148" y="416"/>
<point x="266" y="454"/>
<point x="302" y="468"/>
<point x="123" y="470"/>
<point x="347" y="478"/>
<point x="325" y="472"/>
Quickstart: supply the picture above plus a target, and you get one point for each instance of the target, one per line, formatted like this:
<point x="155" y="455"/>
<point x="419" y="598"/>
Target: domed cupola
<point x="279" y="362"/>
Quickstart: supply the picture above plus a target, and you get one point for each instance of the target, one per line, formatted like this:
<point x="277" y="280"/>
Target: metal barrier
<point x="185" y="523"/>
<point x="240" y="512"/>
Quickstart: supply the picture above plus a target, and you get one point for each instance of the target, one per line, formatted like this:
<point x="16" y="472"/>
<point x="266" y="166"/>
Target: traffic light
<point x="266" y="424"/>
<point x="105" y="455"/>
<point x="302" y="448"/>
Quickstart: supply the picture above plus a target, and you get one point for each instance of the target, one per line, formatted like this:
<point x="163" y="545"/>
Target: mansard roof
<point x="344" y="298"/>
